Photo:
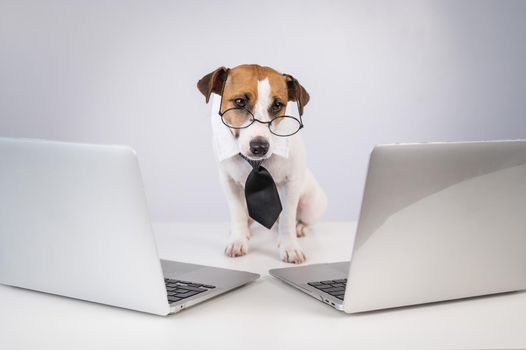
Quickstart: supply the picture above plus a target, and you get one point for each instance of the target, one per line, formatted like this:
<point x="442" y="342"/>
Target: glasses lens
<point x="284" y="126"/>
<point x="237" y="118"/>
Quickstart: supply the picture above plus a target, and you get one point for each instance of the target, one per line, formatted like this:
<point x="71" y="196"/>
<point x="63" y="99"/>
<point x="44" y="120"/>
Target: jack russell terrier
<point x="253" y="105"/>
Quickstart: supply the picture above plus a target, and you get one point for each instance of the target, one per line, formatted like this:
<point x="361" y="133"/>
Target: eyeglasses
<point x="242" y="117"/>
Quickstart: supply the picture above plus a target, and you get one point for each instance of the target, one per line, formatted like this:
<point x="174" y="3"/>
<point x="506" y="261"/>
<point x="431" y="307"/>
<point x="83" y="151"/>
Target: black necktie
<point x="262" y="196"/>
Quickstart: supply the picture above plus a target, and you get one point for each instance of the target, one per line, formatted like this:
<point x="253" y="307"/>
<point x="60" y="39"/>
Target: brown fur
<point x="241" y="81"/>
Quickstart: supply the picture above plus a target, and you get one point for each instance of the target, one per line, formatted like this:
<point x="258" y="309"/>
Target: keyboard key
<point x="323" y="286"/>
<point x="332" y="290"/>
<point x="332" y="283"/>
<point x="194" y="285"/>
<point x="315" y="284"/>
<point x="208" y="286"/>
<point x="194" y="289"/>
<point x="187" y="294"/>
<point x="340" y="292"/>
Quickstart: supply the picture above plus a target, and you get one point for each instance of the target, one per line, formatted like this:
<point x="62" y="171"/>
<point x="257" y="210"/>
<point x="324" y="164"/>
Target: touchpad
<point x="173" y="268"/>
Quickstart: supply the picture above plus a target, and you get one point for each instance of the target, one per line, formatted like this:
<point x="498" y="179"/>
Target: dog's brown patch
<point x="241" y="82"/>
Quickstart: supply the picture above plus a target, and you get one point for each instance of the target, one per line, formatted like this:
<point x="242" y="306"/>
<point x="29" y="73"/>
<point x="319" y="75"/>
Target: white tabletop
<point x="264" y="314"/>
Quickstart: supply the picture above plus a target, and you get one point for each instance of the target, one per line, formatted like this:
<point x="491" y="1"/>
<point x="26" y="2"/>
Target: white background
<point x="377" y="72"/>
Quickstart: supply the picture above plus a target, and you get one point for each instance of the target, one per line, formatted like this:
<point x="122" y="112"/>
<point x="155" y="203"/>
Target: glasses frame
<point x="254" y="119"/>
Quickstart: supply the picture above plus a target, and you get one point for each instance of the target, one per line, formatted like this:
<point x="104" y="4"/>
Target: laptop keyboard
<point x="336" y="288"/>
<point x="178" y="290"/>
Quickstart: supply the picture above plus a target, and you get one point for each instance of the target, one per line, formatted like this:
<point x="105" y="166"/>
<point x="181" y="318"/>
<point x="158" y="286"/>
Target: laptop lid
<point x="74" y="222"/>
<point x="439" y="221"/>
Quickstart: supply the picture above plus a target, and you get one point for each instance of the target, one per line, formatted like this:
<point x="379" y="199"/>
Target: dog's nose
<point x="259" y="146"/>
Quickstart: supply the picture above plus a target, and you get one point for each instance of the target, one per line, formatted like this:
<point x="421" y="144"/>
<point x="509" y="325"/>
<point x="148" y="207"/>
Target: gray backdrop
<point x="377" y="72"/>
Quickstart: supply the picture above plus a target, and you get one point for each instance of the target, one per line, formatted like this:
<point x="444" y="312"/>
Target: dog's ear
<point x="213" y="82"/>
<point x="297" y="92"/>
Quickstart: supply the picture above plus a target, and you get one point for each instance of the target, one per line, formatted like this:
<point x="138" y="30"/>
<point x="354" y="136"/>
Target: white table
<point x="264" y="314"/>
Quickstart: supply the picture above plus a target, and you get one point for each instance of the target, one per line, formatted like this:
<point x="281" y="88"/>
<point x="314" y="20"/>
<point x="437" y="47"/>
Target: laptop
<point x="74" y="222"/>
<point x="438" y="221"/>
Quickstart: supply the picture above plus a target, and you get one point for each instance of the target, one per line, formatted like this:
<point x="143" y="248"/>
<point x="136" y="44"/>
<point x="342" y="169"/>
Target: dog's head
<point x="262" y="91"/>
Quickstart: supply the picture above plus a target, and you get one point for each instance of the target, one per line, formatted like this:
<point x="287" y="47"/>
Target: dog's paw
<point x="301" y="229"/>
<point x="291" y="253"/>
<point x="237" y="247"/>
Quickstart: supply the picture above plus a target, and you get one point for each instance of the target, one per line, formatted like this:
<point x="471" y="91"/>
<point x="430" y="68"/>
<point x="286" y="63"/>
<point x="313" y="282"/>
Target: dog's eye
<point x="240" y="102"/>
<point x="276" y="106"/>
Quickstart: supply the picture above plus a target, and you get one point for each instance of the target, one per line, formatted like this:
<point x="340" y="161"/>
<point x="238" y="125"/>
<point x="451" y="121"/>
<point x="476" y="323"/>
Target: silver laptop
<point x="74" y="222"/>
<point x="439" y="221"/>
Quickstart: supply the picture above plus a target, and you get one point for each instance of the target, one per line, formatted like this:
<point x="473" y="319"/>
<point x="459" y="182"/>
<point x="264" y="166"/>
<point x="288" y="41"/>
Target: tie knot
<point x="255" y="164"/>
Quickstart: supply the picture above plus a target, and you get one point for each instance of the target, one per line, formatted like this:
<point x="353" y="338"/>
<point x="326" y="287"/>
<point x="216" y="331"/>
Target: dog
<point x="265" y="92"/>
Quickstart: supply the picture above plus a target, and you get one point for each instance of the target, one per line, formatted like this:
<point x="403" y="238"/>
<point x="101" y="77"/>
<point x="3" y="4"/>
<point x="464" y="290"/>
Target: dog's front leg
<point x="289" y="248"/>
<point x="239" y="233"/>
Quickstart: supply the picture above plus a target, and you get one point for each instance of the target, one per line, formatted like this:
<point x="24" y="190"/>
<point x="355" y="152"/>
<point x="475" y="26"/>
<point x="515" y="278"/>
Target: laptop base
<point x="215" y="280"/>
<point x="300" y="277"/>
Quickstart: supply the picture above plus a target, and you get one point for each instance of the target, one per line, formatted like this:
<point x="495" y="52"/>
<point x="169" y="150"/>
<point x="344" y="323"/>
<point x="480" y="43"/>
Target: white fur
<point x="302" y="198"/>
<point x="261" y="113"/>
